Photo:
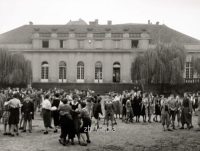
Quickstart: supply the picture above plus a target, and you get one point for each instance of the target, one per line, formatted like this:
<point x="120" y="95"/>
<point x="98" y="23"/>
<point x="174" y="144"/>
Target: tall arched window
<point x="44" y="71"/>
<point x="116" y="72"/>
<point x="98" y="72"/>
<point x="62" y="71"/>
<point x="80" y="71"/>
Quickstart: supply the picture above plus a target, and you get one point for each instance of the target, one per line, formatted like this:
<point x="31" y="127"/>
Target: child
<point x="165" y="114"/>
<point x="109" y="112"/>
<point x="129" y="111"/>
<point x="97" y="110"/>
<point x="66" y="122"/>
<point x="28" y="112"/>
<point x="5" y="118"/>
<point x="86" y="122"/>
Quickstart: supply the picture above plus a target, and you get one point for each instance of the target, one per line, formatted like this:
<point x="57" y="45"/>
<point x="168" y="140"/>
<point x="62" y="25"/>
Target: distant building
<point x="91" y="53"/>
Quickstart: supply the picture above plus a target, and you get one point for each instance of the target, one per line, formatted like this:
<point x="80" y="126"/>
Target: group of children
<point x="73" y="111"/>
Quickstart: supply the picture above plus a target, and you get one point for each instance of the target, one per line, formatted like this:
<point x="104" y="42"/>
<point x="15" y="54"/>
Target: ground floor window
<point x="98" y="72"/>
<point x="116" y="72"/>
<point x="62" y="71"/>
<point x="80" y="71"/>
<point x="44" y="71"/>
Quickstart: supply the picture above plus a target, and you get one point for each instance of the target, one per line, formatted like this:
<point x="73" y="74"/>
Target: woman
<point x="157" y="109"/>
<point x="55" y="112"/>
<point x="66" y="122"/>
<point x="5" y="118"/>
<point x="75" y="115"/>
<point x="86" y="122"/>
<point x="144" y="110"/>
<point x="97" y="110"/>
<point x="14" y="113"/>
<point x="137" y="106"/>
<point x="46" y="112"/>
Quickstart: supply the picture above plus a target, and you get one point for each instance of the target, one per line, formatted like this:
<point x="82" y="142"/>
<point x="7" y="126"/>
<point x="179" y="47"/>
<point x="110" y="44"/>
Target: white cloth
<point x="14" y="103"/>
<point x="46" y="104"/>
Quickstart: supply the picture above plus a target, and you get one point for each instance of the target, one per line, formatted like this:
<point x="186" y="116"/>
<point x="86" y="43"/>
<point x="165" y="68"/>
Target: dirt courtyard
<point x="126" y="137"/>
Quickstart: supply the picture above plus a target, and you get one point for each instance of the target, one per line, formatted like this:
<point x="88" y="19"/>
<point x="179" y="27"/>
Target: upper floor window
<point x="80" y="71"/>
<point x="81" y="44"/>
<point x="62" y="35"/>
<point x="134" y="35"/>
<point x="117" y="35"/>
<point x="116" y="44"/>
<point x="81" y="35"/>
<point x="45" y="34"/>
<point x="44" y="71"/>
<point x="61" y="43"/>
<point x="134" y="43"/>
<point x="45" y="43"/>
<point x="99" y="35"/>
<point x="98" y="44"/>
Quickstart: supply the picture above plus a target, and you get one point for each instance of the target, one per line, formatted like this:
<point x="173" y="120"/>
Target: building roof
<point x="23" y="34"/>
<point x="78" y="22"/>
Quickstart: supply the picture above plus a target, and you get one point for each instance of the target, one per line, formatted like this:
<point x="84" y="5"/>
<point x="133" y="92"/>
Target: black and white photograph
<point x="99" y="75"/>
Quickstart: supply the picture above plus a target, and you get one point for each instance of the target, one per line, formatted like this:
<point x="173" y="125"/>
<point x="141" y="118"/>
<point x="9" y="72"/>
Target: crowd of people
<point x="74" y="111"/>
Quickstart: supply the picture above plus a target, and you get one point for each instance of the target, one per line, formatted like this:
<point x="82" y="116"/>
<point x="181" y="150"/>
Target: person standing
<point x="5" y="118"/>
<point x="76" y="119"/>
<point x="198" y="112"/>
<point x="46" y="113"/>
<point x="55" y="112"/>
<point x="129" y="111"/>
<point x="15" y="105"/>
<point x="28" y="113"/>
<point x="144" y="110"/>
<point x="165" y="114"/>
<point x="109" y="112"/>
<point x="86" y="122"/>
<point x="66" y="122"/>
<point x="172" y="109"/>
<point x="178" y="109"/>
<point x="97" y="110"/>
<point x="186" y="112"/>
<point x="124" y="100"/>
<point x="150" y="107"/>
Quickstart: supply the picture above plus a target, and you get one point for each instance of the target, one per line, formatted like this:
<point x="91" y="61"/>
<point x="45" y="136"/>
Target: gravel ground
<point x="126" y="137"/>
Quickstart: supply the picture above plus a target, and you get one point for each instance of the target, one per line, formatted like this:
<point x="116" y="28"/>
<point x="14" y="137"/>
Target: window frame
<point x="80" y="72"/>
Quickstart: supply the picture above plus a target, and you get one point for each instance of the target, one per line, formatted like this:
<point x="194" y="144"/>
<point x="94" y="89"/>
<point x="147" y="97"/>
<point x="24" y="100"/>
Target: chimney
<point x="149" y="22"/>
<point x="109" y="22"/>
<point x="96" y="21"/>
<point x="157" y="23"/>
<point x="30" y="23"/>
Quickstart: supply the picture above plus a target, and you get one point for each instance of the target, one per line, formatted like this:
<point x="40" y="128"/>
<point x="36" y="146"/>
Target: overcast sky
<point x="182" y="15"/>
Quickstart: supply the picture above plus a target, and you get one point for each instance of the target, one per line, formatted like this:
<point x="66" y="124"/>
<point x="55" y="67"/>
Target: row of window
<point x="98" y="77"/>
<point x="98" y="44"/>
<point x="95" y="35"/>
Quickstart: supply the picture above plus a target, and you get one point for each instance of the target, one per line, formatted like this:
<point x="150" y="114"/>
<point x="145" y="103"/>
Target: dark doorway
<point x="116" y="72"/>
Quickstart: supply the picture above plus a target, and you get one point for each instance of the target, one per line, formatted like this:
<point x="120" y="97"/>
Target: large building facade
<point x="91" y="53"/>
